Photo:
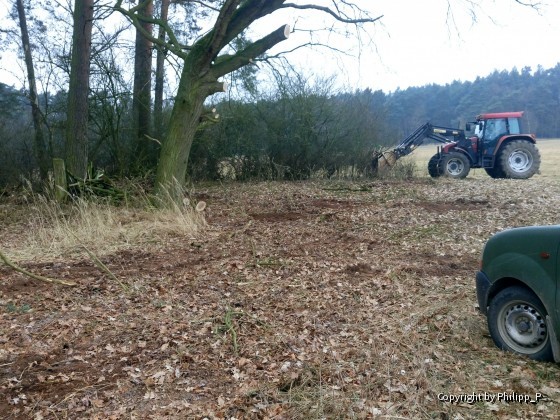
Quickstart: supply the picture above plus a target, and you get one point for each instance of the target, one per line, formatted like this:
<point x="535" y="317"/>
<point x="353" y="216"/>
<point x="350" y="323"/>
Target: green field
<point x="549" y="148"/>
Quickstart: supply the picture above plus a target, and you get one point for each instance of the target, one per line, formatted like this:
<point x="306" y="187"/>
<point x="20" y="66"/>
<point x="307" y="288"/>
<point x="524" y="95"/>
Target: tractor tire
<point x="495" y="172"/>
<point x="519" y="159"/>
<point x="517" y="323"/>
<point x="454" y="165"/>
<point x="434" y="167"/>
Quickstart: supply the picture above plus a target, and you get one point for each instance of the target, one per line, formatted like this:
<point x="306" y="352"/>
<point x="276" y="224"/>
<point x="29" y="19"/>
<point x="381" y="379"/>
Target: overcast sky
<point x="420" y="42"/>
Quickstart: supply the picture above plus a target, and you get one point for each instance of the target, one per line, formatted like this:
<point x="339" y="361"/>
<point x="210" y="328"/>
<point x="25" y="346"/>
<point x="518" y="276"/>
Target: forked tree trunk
<point x="199" y="79"/>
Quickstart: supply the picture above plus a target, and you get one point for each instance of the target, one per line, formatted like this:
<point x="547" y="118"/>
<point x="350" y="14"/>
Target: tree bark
<point x="160" y="74"/>
<point x="175" y="149"/>
<point x="78" y="90"/>
<point x="141" y="97"/>
<point x="39" y="140"/>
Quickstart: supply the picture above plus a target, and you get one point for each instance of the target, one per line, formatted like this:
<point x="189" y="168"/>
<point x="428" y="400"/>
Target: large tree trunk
<point x="174" y="155"/>
<point x="141" y="98"/>
<point x="39" y="141"/>
<point x="160" y="74"/>
<point x="195" y="86"/>
<point x="78" y="90"/>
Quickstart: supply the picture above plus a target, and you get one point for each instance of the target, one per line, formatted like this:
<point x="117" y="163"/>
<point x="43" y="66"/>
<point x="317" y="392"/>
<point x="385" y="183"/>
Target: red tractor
<point x="497" y="145"/>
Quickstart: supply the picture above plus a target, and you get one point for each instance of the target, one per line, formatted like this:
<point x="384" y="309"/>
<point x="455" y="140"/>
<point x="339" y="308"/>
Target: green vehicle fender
<point x="528" y="255"/>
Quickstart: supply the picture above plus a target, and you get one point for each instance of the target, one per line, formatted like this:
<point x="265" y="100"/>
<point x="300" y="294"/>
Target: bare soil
<point x="298" y="300"/>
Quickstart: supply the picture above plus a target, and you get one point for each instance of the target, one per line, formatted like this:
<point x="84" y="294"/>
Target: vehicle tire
<point x="454" y="165"/>
<point x="495" y="172"/>
<point x="433" y="166"/>
<point x="520" y="159"/>
<point x="517" y="323"/>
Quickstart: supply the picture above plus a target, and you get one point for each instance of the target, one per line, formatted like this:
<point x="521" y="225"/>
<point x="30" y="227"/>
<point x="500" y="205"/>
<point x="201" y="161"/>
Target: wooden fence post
<point x="60" y="182"/>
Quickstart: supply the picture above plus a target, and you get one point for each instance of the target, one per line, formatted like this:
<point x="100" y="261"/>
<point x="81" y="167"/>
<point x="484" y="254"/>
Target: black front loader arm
<point x="427" y="131"/>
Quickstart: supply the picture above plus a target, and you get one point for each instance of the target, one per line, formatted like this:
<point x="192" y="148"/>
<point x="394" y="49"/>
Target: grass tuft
<point x="98" y="225"/>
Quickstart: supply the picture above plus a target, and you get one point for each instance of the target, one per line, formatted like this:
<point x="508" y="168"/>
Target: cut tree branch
<point x="215" y="87"/>
<point x="229" y="63"/>
<point x="231" y="24"/>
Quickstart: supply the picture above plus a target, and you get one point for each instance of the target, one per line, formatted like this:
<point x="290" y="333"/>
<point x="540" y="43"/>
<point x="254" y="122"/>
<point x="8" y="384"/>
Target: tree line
<point x="535" y="91"/>
<point x="91" y="113"/>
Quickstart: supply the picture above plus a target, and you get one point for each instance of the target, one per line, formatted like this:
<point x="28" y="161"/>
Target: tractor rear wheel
<point x="520" y="159"/>
<point x="454" y="165"/>
<point x="433" y="166"/>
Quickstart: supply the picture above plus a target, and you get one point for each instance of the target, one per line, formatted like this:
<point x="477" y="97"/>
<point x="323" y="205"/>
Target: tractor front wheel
<point x="433" y="166"/>
<point x="520" y="159"/>
<point x="454" y="165"/>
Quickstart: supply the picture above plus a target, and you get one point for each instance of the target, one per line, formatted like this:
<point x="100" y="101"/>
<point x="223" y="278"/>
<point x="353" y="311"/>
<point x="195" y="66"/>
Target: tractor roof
<point x="494" y="115"/>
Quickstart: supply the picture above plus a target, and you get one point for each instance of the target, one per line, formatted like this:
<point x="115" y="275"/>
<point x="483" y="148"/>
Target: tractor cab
<point x="494" y="142"/>
<point x="491" y="129"/>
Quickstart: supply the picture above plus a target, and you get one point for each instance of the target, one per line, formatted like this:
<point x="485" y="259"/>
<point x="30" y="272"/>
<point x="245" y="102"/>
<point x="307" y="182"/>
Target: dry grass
<point x="55" y="230"/>
<point x="549" y="149"/>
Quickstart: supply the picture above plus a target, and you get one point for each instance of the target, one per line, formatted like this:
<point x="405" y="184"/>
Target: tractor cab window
<point x="494" y="129"/>
<point x="514" y="127"/>
<point x="478" y="129"/>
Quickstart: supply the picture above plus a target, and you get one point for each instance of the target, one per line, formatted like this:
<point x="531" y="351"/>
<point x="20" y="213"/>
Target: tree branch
<point x="282" y="54"/>
<point x="218" y="33"/>
<point x="337" y="15"/>
<point x="173" y="45"/>
<point x="33" y="276"/>
<point x="215" y="87"/>
<point x="206" y="5"/>
<point x="535" y="5"/>
<point x="229" y="63"/>
<point x="235" y="21"/>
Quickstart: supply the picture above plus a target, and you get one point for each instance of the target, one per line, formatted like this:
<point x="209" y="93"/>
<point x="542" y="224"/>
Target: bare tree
<point x="39" y="142"/>
<point x="77" y="115"/>
<point x="206" y="61"/>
